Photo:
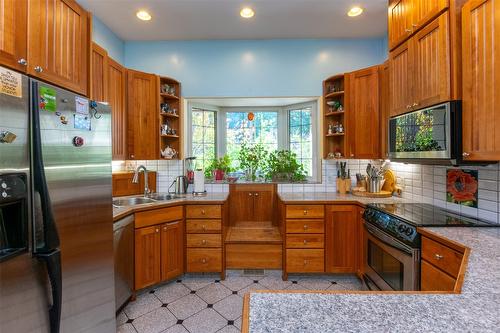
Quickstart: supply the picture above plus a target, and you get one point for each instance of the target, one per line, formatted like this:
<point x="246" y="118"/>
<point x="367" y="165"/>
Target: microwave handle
<point x="388" y="240"/>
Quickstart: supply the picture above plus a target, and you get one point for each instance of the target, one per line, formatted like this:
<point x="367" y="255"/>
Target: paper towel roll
<point x="199" y="181"/>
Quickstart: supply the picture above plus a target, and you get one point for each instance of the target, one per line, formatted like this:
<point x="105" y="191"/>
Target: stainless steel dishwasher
<point x="123" y="243"/>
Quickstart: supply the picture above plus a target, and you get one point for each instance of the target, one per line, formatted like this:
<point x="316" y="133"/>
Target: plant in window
<point x="252" y="159"/>
<point x="219" y="167"/>
<point x="282" y="165"/>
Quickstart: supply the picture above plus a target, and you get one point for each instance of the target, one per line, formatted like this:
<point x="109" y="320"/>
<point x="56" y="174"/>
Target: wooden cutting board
<point x="381" y="194"/>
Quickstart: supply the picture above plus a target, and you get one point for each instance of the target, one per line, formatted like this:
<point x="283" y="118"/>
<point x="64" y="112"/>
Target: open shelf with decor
<point x="170" y="118"/>
<point x="334" y="120"/>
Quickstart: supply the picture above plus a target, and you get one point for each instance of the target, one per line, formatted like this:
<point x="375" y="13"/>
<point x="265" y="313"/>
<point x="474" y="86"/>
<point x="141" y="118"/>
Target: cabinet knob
<point x="157" y="230"/>
<point x="414" y="25"/>
<point x="415" y="104"/>
<point x="22" y="61"/>
<point x="305" y="262"/>
<point x="438" y="256"/>
<point x="305" y="241"/>
<point x="465" y="154"/>
<point x="305" y="211"/>
<point x="352" y="155"/>
<point x="204" y="260"/>
<point x="132" y="156"/>
<point x="408" y="31"/>
<point x="305" y="227"/>
<point x="408" y="107"/>
<point x="165" y="228"/>
<point x="204" y="242"/>
<point x="38" y="69"/>
<point x="250" y="194"/>
<point x="256" y="194"/>
<point x="203" y="227"/>
<point x="203" y="212"/>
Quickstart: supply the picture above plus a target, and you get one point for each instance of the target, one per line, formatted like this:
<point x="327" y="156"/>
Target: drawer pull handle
<point x="305" y="211"/>
<point x="202" y="212"/>
<point x="305" y="241"/>
<point x="204" y="242"/>
<point x="305" y="227"/>
<point x="204" y="261"/>
<point x="438" y="256"/>
<point x="305" y="262"/>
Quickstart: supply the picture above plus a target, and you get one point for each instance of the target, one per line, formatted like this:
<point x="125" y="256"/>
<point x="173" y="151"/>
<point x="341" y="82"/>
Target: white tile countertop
<point x="475" y="309"/>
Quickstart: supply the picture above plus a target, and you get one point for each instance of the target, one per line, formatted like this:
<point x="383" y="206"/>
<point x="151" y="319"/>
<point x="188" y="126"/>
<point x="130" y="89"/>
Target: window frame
<point x="283" y="128"/>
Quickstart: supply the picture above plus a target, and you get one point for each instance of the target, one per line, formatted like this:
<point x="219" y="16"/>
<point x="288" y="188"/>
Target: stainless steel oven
<point x="430" y="134"/>
<point x="389" y="263"/>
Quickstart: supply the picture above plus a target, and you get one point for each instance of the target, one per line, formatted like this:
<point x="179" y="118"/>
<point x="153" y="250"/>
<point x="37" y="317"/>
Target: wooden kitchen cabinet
<point x="99" y="74"/>
<point x="481" y="80"/>
<point x="147" y="256"/>
<point x="142" y="120"/>
<point x="406" y="17"/>
<point x="13" y="34"/>
<point x="117" y="82"/>
<point x="431" y="63"/>
<point x="400" y="80"/>
<point x="341" y="245"/>
<point x="58" y="43"/>
<point x="172" y="250"/>
<point x="364" y="114"/>
<point x="252" y="203"/>
<point x="384" y="109"/>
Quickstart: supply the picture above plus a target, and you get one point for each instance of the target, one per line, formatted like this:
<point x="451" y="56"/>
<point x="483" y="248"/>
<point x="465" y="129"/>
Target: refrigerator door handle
<point x="52" y="262"/>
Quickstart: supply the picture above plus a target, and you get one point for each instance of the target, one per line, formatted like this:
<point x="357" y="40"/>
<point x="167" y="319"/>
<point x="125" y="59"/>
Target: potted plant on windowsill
<point x="282" y="165"/>
<point x="252" y="159"/>
<point x="219" y="167"/>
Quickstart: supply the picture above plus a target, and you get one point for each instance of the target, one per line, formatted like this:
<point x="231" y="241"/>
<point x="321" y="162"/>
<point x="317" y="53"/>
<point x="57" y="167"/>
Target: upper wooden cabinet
<point x="481" y="80"/>
<point x="364" y="114"/>
<point x="384" y="109"/>
<point x="142" y="116"/>
<point x="406" y="17"/>
<point x="117" y="82"/>
<point x="341" y="245"/>
<point x="99" y="74"/>
<point x="420" y="69"/>
<point x="58" y="43"/>
<point x="13" y="34"/>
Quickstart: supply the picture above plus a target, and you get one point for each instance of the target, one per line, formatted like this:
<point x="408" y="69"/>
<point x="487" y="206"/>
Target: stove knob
<point x="401" y="228"/>
<point x="409" y="232"/>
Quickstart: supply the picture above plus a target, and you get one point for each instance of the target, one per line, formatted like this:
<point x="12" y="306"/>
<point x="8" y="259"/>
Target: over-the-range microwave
<point x="431" y="135"/>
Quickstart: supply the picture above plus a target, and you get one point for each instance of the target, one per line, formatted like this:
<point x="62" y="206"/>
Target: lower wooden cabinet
<point x="341" y="239"/>
<point x="147" y="256"/>
<point x="305" y="260"/>
<point x="172" y="250"/>
<point x="204" y="260"/>
<point x="434" y="279"/>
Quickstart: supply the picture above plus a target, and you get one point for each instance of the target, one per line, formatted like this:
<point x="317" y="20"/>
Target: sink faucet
<point x="135" y="180"/>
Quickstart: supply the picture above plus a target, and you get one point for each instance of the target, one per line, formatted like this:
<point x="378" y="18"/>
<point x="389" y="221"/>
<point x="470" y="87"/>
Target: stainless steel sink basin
<point x="132" y="201"/>
<point x="162" y="196"/>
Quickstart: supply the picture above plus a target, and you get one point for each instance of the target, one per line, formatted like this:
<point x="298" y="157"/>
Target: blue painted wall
<point x="107" y="39"/>
<point x="254" y="68"/>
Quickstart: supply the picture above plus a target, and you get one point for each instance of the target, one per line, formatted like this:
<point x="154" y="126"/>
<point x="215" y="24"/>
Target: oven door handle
<point x="388" y="240"/>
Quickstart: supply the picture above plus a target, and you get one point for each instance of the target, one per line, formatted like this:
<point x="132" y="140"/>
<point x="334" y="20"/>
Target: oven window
<point x="419" y="131"/>
<point x="386" y="266"/>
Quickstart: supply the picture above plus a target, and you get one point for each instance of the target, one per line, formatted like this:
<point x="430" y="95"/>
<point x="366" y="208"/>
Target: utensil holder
<point x="374" y="185"/>
<point x="343" y="185"/>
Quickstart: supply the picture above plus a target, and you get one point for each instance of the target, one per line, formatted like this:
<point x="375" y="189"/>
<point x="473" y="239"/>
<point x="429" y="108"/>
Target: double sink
<point x="140" y="200"/>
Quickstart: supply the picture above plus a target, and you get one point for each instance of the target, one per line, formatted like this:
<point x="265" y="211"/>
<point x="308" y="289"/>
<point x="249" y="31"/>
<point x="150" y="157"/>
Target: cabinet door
<point x="400" y="80"/>
<point x="384" y="109"/>
<point x="424" y="10"/>
<point x="264" y="206"/>
<point x="434" y="279"/>
<point x="58" y="43"/>
<point x="431" y="47"/>
<point x="400" y="22"/>
<point x="242" y="206"/>
<point x="172" y="250"/>
<point x="143" y="130"/>
<point x="147" y="256"/>
<point x="13" y="34"/>
<point x="117" y="78"/>
<point x="364" y="121"/>
<point x="98" y="74"/>
<point x="341" y="239"/>
<point x="481" y="80"/>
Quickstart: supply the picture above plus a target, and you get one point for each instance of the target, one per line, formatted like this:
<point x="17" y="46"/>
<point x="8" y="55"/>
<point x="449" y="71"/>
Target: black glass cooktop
<point x="426" y="215"/>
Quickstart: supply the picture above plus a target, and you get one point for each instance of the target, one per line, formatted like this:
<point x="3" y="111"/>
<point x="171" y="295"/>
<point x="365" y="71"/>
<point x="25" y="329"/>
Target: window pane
<point x="300" y="129"/>
<point x="204" y="137"/>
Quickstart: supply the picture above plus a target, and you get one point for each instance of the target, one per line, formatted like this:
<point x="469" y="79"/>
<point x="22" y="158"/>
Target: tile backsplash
<point x="420" y="183"/>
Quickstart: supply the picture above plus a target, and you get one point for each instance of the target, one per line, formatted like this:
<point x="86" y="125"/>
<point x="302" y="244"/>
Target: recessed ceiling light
<point x="355" y="11"/>
<point x="143" y="15"/>
<point x="247" y="12"/>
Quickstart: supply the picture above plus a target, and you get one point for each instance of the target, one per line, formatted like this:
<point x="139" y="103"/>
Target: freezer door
<point x="23" y="283"/>
<point x="76" y="158"/>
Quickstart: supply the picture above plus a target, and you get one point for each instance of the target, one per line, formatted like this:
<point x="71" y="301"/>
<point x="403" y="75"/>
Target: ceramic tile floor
<point x="205" y="304"/>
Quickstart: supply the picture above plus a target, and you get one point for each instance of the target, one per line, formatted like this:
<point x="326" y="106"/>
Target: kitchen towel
<point x="199" y="181"/>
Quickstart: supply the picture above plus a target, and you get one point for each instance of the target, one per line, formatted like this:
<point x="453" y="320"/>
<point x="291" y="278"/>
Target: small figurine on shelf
<point x="168" y="153"/>
<point x="340" y="108"/>
<point x="338" y="153"/>
<point x="330" y="129"/>
<point x="340" y="128"/>
<point x="165" y="108"/>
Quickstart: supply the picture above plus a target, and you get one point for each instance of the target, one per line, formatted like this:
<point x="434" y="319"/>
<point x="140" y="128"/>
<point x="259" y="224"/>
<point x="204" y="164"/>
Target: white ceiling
<point x="252" y="102"/>
<point x="219" y="19"/>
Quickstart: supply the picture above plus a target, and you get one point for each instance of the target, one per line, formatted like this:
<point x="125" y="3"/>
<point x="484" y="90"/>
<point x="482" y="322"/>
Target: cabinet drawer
<point x="204" y="260"/>
<point x="203" y="240"/>
<point x="305" y="261"/>
<point x="305" y="241"/>
<point x="305" y="226"/>
<point x="204" y="212"/>
<point x="434" y="279"/>
<point x="304" y="211"/>
<point x="203" y="226"/>
<point x="157" y="216"/>
<point x="441" y="256"/>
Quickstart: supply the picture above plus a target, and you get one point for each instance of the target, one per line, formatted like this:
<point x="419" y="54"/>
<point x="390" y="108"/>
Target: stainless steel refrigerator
<point x="56" y="224"/>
